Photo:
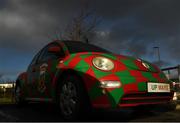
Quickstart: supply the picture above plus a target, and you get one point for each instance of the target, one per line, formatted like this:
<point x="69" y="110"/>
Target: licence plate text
<point x="158" y="87"/>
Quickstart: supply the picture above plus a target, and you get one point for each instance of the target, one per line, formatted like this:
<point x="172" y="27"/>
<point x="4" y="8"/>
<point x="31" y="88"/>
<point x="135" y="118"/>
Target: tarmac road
<point x="46" y="112"/>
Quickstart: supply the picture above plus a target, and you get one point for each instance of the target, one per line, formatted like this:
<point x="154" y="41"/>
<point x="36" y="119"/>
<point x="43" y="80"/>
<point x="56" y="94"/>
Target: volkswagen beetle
<point x="77" y="75"/>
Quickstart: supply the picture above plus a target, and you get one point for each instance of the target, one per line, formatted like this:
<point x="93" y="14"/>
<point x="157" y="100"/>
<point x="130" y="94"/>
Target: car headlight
<point x="103" y="63"/>
<point x="110" y="84"/>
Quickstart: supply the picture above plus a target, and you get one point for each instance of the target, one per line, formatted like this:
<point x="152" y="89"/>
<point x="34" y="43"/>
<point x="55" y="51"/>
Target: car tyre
<point x="72" y="98"/>
<point x="19" y="99"/>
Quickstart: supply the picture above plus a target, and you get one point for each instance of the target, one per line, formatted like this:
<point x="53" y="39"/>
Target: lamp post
<point x="158" y="55"/>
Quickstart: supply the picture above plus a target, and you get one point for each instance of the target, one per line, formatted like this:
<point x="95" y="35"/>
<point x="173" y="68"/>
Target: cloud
<point x="128" y="26"/>
<point x="141" y="25"/>
<point x="29" y="23"/>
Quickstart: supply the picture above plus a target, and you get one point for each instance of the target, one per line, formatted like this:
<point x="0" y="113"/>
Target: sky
<point x="128" y="27"/>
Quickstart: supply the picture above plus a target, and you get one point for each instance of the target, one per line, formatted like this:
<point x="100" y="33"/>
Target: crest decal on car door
<point x="42" y="75"/>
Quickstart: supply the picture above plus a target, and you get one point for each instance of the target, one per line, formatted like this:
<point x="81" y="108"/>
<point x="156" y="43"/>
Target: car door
<point x="32" y="75"/>
<point x="47" y="64"/>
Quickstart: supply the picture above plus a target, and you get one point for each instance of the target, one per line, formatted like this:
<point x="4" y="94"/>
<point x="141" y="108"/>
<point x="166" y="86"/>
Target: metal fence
<point x="173" y="73"/>
<point x="170" y="71"/>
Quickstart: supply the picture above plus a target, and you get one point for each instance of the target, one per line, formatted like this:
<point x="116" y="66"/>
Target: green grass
<point x="6" y="100"/>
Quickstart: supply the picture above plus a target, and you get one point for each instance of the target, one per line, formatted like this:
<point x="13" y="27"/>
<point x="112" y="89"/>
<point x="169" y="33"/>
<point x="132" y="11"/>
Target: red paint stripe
<point x="130" y="87"/>
<point x="140" y="65"/>
<point x="63" y="45"/>
<point x="138" y="92"/>
<point x="138" y="76"/>
<point x="110" y="77"/>
<point x="54" y="81"/>
<point x="157" y="76"/>
<point x="136" y="104"/>
<point x="74" y="61"/>
<point x="103" y="100"/>
<point x="50" y="65"/>
<point x="157" y="69"/>
<point x="121" y="57"/>
<point x="89" y="78"/>
<point x="119" y="66"/>
<point x="139" y="98"/>
<point x="89" y="60"/>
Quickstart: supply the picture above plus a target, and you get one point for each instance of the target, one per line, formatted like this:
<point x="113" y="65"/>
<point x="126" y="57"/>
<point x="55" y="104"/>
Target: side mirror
<point x="54" y="49"/>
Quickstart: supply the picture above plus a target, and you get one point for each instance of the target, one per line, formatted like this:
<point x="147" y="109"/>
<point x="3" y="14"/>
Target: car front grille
<point x="142" y="98"/>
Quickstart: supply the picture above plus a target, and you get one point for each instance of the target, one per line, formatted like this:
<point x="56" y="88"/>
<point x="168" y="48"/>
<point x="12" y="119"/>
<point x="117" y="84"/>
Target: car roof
<point x="68" y="41"/>
<point x="78" y="46"/>
<point x="74" y="42"/>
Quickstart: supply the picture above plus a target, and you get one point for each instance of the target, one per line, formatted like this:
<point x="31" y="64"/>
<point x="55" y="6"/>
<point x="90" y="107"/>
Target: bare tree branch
<point x="81" y="27"/>
<point x="83" y="24"/>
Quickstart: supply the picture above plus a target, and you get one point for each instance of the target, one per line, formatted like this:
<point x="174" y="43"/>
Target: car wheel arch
<point x="18" y="83"/>
<point x="64" y="73"/>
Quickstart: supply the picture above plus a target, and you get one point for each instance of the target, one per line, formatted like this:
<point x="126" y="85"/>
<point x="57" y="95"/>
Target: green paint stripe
<point x="99" y="73"/>
<point x="149" y="76"/>
<point x="129" y="63"/>
<point x="123" y="73"/>
<point x="95" y="91"/>
<point x="162" y="75"/>
<point x="127" y="80"/>
<point x="115" y="96"/>
<point x="125" y="77"/>
<point x="142" y="86"/>
<point x="86" y="55"/>
<point x="110" y="56"/>
<point x="81" y="64"/>
<point x="65" y="47"/>
<point x="69" y="60"/>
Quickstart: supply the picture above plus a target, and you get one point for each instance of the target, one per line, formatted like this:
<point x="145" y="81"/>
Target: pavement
<point x="47" y="113"/>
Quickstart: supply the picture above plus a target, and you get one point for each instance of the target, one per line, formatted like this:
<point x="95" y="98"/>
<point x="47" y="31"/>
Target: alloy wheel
<point x="68" y="98"/>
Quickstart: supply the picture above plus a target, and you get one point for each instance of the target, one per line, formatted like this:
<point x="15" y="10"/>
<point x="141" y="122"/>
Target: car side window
<point x="34" y="60"/>
<point x="47" y="55"/>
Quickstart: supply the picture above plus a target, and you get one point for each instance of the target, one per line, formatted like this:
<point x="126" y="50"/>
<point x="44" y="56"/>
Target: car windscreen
<point x="76" y="47"/>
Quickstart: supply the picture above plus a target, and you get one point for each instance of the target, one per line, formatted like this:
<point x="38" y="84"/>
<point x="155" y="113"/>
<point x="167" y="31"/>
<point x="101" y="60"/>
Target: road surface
<point x="46" y="112"/>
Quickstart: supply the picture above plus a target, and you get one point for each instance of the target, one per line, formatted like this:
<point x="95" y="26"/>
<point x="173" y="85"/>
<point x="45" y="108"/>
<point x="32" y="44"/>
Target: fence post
<point x="168" y="75"/>
<point x="13" y="92"/>
<point x="179" y="73"/>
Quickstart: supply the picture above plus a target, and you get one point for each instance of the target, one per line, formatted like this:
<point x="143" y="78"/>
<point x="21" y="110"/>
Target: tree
<point x="83" y="25"/>
<point x="81" y="28"/>
<point x="1" y="77"/>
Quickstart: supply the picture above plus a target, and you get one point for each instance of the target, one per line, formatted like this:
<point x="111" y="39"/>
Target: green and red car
<point x="77" y="75"/>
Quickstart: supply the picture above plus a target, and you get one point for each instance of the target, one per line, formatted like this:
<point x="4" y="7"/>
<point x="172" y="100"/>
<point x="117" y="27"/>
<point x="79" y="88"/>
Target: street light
<point x="158" y="55"/>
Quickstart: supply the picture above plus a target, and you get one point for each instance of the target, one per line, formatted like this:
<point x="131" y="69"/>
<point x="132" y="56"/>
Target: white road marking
<point x="7" y="116"/>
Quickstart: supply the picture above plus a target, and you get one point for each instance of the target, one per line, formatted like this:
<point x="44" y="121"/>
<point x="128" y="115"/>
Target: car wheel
<point x="19" y="100"/>
<point x="72" y="100"/>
